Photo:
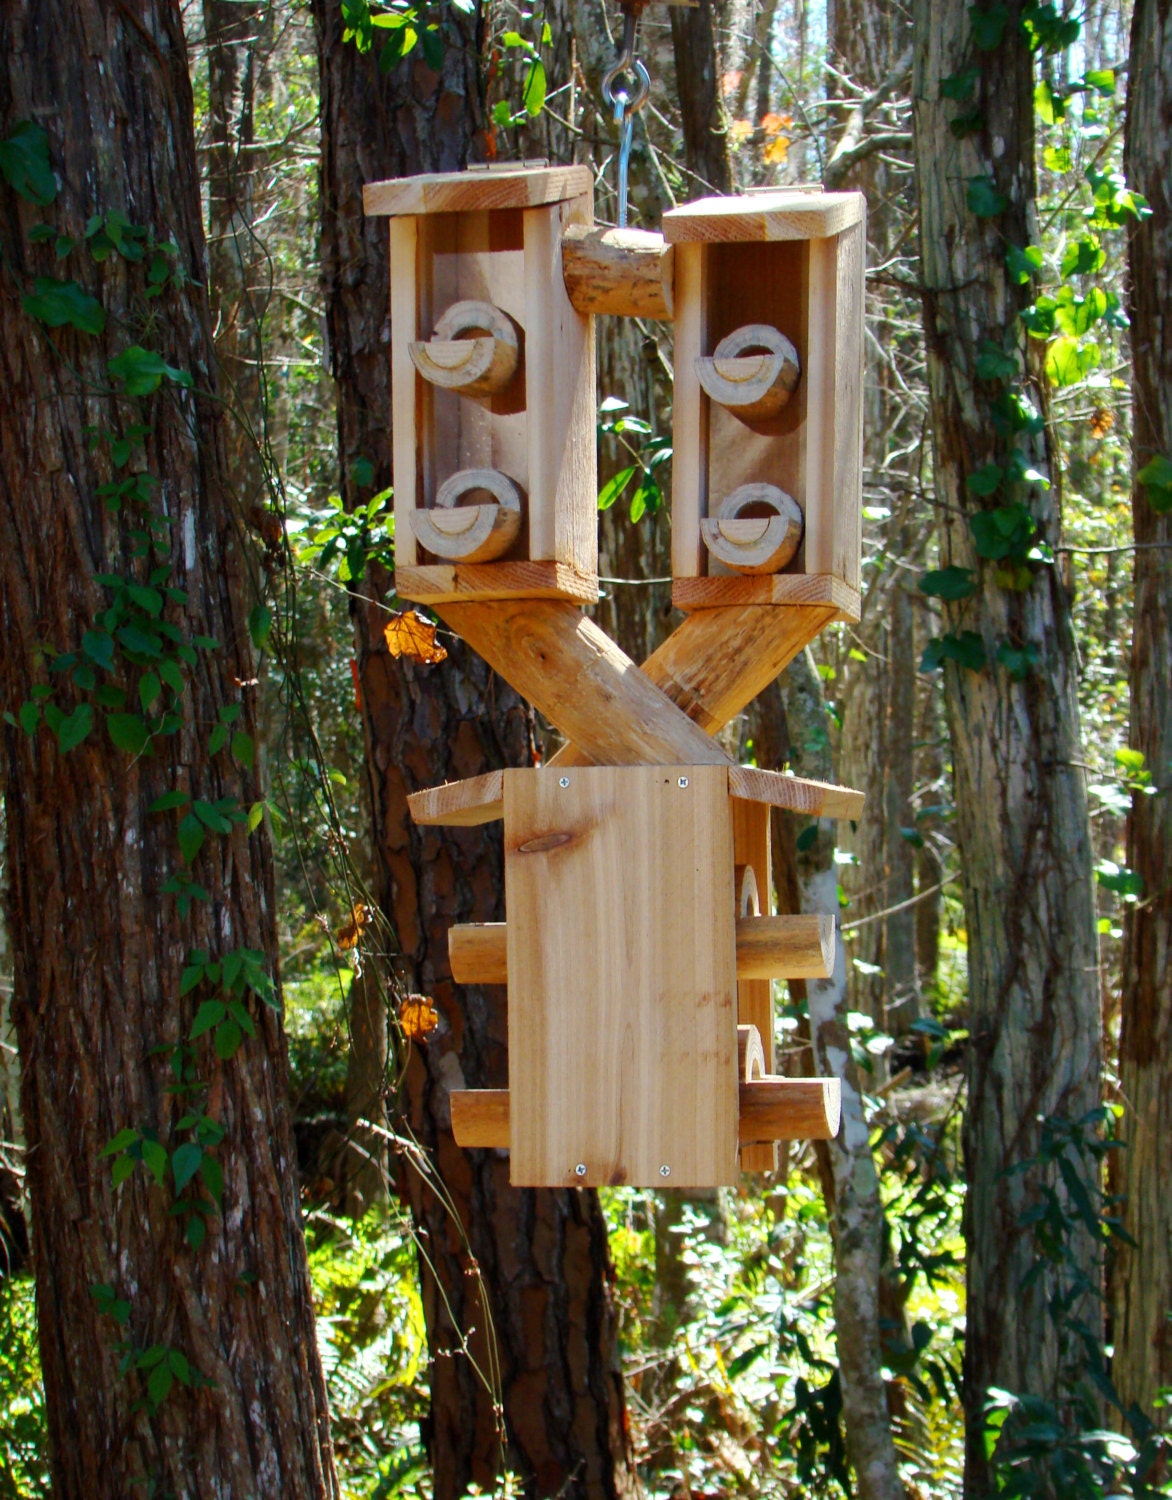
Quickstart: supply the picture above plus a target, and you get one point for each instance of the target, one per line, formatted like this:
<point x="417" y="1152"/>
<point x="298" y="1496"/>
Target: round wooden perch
<point x="751" y="384"/>
<point x="786" y="947"/>
<point x="474" y="366"/>
<point x="624" y="271"/>
<point x="471" y="533"/>
<point x="750" y="1054"/>
<point x="754" y="543"/>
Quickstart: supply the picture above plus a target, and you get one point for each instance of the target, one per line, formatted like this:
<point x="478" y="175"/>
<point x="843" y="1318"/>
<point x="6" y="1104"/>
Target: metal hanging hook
<point x="624" y="103"/>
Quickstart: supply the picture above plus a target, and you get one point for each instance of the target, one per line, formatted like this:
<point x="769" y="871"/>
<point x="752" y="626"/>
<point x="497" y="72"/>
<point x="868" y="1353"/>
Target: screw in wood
<point x="564" y="781"/>
<point x="665" y="1171"/>
<point x="683" y="781"/>
<point x="580" y="1169"/>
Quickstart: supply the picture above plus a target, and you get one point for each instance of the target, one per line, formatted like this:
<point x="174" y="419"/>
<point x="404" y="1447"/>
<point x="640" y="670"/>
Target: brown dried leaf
<point x="418" y="1017"/>
<point x="410" y="635"/>
<point x="347" y="937"/>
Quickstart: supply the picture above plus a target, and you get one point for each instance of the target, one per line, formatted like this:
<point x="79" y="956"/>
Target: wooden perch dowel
<point x="470" y="533"/>
<point x="461" y="804"/>
<point x="787" y="947"/>
<point x="752" y="371"/>
<point x="760" y="543"/>
<point x="475" y="366"/>
<point x="625" y="271"/>
<point x="771" y="1109"/>
<point x="750" y="1054"/>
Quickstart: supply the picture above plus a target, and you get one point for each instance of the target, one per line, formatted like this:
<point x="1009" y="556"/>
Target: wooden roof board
<point x="477" y="188"/>
<point x="782" y="215"/>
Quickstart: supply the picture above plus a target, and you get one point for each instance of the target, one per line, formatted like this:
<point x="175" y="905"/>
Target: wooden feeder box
<point x="633" y="941"/>
<point x="492" y="386"/>
<point x="767" y="467"/>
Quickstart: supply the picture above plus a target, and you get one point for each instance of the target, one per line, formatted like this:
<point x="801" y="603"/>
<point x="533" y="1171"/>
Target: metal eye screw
<point x="665" y="1171"/>
<point x="580" y="1169"/>
<point x="683" y="781"/>
<point x="563" y="781"/>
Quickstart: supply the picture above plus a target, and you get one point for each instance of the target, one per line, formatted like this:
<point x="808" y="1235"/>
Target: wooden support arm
<point x="771" y="1109"/>
<point x="786" y="947"/>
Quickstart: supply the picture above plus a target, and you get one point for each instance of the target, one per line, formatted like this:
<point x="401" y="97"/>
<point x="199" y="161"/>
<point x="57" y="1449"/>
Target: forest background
<point x="969" y="1291"/>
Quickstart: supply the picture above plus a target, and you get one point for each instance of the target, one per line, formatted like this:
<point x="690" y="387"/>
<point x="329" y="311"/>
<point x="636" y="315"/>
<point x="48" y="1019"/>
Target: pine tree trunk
<point x="1021" y="819"/>
<point x="541" y="1255"/>
<point x="98" y="944"/>
<point x="1143" y="1286"/>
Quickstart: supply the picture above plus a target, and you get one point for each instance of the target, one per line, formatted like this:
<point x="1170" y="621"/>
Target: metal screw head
<point x="665" y="1171"/>
<point x="580" y="1169"/>
<point x="683" y="781"/>
<point x="563" y="781"/>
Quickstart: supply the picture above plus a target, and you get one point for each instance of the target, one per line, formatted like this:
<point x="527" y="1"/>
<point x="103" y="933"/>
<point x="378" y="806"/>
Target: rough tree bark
<point x="1021" y="814"/>
<point x="98" y="946"/>
<point x="542" y="1255"/>
<point x="1143" y="1285"/>
<point x="702" y="112"/>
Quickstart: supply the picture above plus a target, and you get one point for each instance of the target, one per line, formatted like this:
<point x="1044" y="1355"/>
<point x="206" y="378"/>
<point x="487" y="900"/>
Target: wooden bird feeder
<point x="492" y="386"/>
<point x="633" y="930"/>
<point x="767" y="472"/>
<point x="640" y="949"/>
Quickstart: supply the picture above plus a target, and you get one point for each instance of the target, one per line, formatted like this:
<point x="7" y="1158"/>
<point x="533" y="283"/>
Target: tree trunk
<point x="855" y="1208"/>
<point x="1021" y="819"/>
<point x="1143" y="1286"/>
<point x="99" y="943"/>
<point x="547" y="1338"/>
<point x="702" y="113"/>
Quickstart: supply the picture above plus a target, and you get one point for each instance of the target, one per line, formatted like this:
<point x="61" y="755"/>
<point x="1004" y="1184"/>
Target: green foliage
<point x="24" y="1468"/>
<point x="966" y="649"/>
<point x="949" y="583"/>
<point x="349" y="541"/>
<point x="57" y="303"/>
<point x="647" y="497"/>
<point x="1156" y="478"/>
<point x="24" y="162"/>
<point x="141" y="371"/>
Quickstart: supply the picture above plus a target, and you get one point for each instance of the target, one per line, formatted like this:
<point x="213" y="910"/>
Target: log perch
<point x="771" y="1109"/>
<point x="785" y="947"/>
<point x="630" y="272"/>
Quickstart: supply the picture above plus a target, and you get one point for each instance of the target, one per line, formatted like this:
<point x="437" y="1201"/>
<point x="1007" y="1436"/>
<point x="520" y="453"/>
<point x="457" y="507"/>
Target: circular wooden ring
<point x="471" y="533"/>
<point x="757" y="544"/>
<point x="752" y="371"/>
<point x="464" y="481"/>
<point x="474" y="350"/>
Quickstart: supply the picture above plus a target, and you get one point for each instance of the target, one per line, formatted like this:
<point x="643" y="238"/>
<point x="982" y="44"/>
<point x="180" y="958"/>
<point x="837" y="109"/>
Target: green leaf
<point x="966" y="649"/>
<point x="1057" y="159"/>
<point x="228" y="1039"/>
<point x="149" y="688"/>
<point x="139" y="641"/>
<point x="1049" y="104"/>
<point x="74" y="727"/>
<point x="147" y="599"/>
<point x="1156" y="478"/>
<point x="400" y="42"/>
<point x="98" y="645"/>
<point x="950" y="583"/>
<point x="158" y="1385"/>
<point x="57" y="303"/>
<point x="984" y="198"/>
<point x="1019" y="662"/>
<point x="243" y="749"/>
<point x="614" y="486"/>
<point x="807" y="838"/>
<point x="210" y="816"/>
<point x="121" y="1169"/>
<point x="30" y="717"/>
<point x="502" y="114"/>
<point x="213" y="1176"/>
<point x="155" y="1157"/>
<point x="533" y="94"/>
<point x="986" y="480"/>
<point x="128" y="732"/>
<point x="24" y="161"/>
<point x="191" y="837"/>
<point x="1004" y="532"/>
<point x="172" y="675"/>
<point x="210" y="1014"/>
<point x="1102" y="80"/>
<point x="960" y="85"/>
<point x="121" y="1141"/>
<point x="195" y="1231"/>
<point x="218" y="739"/>
<point x="169" y="801"/>
<point x="988" y="25"/>
<point x="185" y="1164"/>
<point x="1118" y="878"/>
<point x="995" y="363"/>
<point x="1069" y="360"/>
<point x="1083" y="257"/>
<point x="142" y="371"/>
<point x="433" y="48"/>
<point x="179" y="1366"/>
<point x="1023" y="264"/>
<point x="255" y="813"/>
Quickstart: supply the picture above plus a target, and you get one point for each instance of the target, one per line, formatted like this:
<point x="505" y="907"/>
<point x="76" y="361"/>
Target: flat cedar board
<point x="460" y="192"/>
<point x="783" y="215"/>
<point x="622" y="983"/>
